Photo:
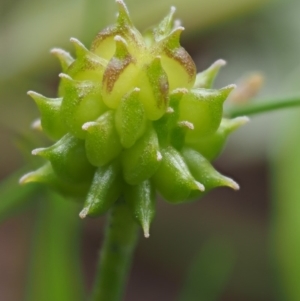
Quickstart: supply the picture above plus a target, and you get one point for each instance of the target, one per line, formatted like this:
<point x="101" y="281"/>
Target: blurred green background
<point x="240" y="246"/>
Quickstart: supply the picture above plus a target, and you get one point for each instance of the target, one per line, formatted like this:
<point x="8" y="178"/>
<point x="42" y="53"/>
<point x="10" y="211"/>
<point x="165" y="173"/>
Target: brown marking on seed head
<point x="107" y="32"/>
<point x="183" y="58"/>
<point x="114" y="69"/>
<point x="129" y="32"/>
<point x="87" y="64"/>
<point x="172" y="48"/>
<point x="121" y="59"/>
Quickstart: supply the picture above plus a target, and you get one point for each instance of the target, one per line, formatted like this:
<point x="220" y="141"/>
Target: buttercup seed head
<point x="131" y="119"/>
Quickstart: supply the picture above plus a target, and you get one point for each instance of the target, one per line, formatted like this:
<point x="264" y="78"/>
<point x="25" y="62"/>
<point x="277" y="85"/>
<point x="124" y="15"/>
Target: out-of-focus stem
<point x="115" y="256"/>
<point x="262" y="107"/>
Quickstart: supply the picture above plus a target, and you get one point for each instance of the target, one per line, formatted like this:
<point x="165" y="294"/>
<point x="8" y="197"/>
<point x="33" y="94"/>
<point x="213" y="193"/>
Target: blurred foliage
<point x="209" y="272"/>
<point x="54" y="265"/>
<point x="249" y="39"/>
<point x="22" y="52"/>
<point x="14" y="198"/>
<point x="286" y="208"/>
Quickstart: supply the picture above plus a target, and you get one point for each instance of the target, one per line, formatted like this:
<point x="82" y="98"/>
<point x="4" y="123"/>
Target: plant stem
<point x="115" y="257"/>
<point x="261" y="107"/>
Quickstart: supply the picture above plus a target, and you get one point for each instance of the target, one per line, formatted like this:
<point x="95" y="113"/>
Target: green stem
<point x="115" y="257"/>
<point x="261" y="107"/>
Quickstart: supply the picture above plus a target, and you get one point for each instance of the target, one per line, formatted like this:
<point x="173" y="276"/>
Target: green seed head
<point x="133" y="118"/>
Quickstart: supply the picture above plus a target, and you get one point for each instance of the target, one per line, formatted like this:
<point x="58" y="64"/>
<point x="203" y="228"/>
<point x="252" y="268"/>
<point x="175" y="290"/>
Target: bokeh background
<point x="229" y="246"/>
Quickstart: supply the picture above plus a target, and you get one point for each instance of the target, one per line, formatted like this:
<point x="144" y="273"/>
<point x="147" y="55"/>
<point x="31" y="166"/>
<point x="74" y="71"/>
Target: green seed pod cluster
<point x="133" y="118"/>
